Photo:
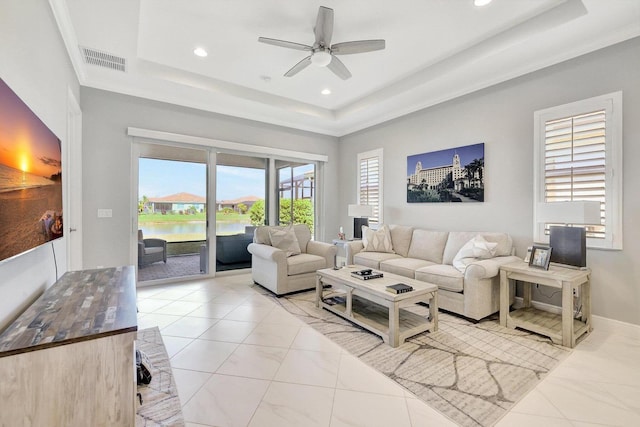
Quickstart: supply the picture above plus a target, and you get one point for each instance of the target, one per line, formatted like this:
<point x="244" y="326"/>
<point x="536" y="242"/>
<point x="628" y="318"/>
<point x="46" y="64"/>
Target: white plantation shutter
<point x="575" y="162"/>
<point x="370" y="183"/>
<point x="578" y="157"/>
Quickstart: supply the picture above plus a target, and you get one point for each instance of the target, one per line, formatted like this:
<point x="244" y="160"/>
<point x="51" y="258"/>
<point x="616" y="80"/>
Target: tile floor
<point x="240" y="360"/>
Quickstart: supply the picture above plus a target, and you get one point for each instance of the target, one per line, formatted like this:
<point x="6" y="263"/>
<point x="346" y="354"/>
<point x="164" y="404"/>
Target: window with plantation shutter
<point x="370" y="183"/>
<point x="578" y="158"/>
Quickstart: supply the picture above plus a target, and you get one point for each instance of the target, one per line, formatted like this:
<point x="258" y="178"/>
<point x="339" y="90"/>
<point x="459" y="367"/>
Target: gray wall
<point x="35" y="65"/>
<point x="107" y="153"/>
<point x="502" y="118"/>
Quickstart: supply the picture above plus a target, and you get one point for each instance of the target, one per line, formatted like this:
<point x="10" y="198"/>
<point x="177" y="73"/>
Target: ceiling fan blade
<point x="360" y="46"/>
<point x="283" y="43"/>
<point x="338" y="68"/>
<point x="324" y="26"/>
<point x="298" y="67"/>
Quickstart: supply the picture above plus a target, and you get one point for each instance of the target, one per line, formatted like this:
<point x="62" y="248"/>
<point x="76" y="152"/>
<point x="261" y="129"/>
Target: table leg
<point x="349" y="302"/>
<point x="318" y="290"/>
<point x="586" y="303"/>
<point x="394" y="322"/>
<point x="504" y="298"/>
<point x="568" y="339"/>
<point x="433" y="310"/>
<point x="526" y="294"/>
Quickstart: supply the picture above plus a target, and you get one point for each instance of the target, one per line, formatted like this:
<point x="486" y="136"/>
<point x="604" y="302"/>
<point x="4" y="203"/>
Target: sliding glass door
<point x="171" y="212"/>
<point x="240" y="207"/>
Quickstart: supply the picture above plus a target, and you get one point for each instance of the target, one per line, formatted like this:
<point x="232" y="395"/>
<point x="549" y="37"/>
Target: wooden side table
<point x="562" y="329"/>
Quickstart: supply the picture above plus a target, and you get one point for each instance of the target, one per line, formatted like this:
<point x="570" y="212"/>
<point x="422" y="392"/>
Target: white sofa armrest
<point x="487" y="268"/>
<point x="352" y="248"/>
<point x="325" y="250"/>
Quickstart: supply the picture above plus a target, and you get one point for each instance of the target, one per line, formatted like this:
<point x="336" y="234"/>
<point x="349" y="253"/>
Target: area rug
<point x="471" y="372"/>
<point x="160" y="401"/>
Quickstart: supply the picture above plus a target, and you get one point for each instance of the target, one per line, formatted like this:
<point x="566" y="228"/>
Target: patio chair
<point x="151" y="250"/>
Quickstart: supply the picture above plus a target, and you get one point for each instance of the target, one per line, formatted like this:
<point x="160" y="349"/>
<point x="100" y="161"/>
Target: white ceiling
<point x="435" y="50"/>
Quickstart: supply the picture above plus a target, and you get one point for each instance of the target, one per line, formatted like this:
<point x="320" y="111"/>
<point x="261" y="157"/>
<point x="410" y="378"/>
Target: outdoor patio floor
<point x="181" y="266"/>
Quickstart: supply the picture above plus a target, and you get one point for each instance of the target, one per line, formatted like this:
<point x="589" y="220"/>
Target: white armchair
<point x="271" y="268"/>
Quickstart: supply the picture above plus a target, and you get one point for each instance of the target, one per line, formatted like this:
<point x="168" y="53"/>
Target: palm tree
<point x="470" y="171"/>
<point x="478" y="166"/>
<point x="142" y="203"/>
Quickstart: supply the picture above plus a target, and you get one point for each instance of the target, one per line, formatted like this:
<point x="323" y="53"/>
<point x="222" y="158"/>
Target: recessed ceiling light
<point x="326" y="91"/>
<point x="200" y="52"/>
<point x="481" y="2"/>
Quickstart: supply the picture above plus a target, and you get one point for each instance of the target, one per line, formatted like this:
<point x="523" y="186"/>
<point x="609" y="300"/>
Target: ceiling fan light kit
<point x="321" y="58"/>
<point x="322" y="52"/>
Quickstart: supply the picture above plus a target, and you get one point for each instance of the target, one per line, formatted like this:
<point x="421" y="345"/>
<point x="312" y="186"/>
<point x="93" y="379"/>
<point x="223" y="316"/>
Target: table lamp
<point x="360" y="214"/>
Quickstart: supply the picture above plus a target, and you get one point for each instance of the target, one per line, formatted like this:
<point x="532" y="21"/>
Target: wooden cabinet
<point x="68" y="360"/>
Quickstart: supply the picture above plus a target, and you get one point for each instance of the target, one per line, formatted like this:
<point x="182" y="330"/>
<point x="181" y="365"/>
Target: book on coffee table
<point x="399" y="288"/>
<point x="367" y="274"/>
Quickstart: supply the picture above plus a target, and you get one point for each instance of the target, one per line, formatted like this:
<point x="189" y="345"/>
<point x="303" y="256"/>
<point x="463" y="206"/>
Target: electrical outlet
<point x="576" y="292"/>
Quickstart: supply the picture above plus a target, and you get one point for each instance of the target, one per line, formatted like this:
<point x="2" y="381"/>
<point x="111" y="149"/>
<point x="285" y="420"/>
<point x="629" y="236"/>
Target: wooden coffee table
<point x="367" y="304"/>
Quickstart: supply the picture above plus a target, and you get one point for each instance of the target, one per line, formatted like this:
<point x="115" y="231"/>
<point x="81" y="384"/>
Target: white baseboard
<point x="617" y="326"/>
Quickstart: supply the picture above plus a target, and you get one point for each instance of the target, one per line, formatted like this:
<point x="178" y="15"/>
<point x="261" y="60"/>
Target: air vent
<point x="103" y="59"/>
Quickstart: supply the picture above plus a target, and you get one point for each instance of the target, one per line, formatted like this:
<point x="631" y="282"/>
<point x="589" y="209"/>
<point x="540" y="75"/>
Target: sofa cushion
<point x="285" y="240"/>
<point x="445" y="276"/>
<point x="376" y="240"/>
<point x="401" y="239"/>
<point x="372" y="259"/>
<point x="403" y="266"/>
<point x="428" y="245"/>
<point x="457" y="239"/>
<point x="305" y="263"/>
<point x="474" y="249"/>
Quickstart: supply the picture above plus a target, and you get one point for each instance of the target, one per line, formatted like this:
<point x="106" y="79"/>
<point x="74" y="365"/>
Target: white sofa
<point x="282" y="274"/>
<point x="428" y="255"/>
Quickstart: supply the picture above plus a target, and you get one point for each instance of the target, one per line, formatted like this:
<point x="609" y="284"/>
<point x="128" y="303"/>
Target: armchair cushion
<point x="305" y="263"/>
<point x="285" y="240"/>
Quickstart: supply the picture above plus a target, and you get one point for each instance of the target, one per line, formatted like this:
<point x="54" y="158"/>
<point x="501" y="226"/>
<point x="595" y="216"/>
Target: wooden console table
<point x="68" y="360"/>
<point x="562" y="329"/>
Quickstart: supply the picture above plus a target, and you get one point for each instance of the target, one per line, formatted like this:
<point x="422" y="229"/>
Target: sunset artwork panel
<point x="30" y="178"/>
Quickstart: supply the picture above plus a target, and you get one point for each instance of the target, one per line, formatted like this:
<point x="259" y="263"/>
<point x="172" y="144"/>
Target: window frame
<point x="612" y="105"/>
<point x="377" y="153"/>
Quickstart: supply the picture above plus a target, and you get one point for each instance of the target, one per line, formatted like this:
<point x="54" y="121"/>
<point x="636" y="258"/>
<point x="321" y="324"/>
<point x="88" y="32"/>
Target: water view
<point x="189" y="231"/>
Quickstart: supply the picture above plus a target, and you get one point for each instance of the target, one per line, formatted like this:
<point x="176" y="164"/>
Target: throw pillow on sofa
<point x="476" y="248"/>
<point x="285" y="240"/>
<point x="376" y="240"/>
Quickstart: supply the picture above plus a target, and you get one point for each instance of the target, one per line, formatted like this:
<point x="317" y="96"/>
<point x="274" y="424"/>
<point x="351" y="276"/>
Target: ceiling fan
<point x="323" y="53"/>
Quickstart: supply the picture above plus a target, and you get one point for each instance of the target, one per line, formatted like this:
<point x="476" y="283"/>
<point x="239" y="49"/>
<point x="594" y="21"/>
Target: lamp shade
<point x="574" y="212"/>
<point x="361" y="211"/>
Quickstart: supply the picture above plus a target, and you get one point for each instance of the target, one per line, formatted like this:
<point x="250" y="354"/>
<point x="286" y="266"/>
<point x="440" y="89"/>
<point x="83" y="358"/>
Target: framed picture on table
<point x="540" y="257"/>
